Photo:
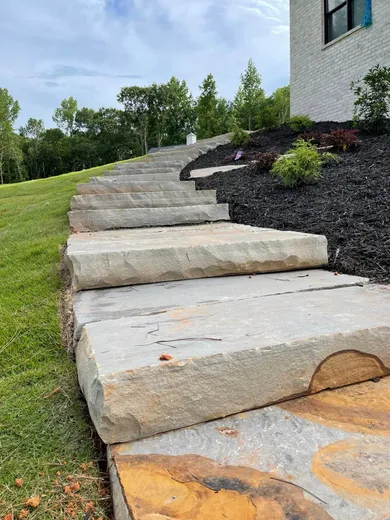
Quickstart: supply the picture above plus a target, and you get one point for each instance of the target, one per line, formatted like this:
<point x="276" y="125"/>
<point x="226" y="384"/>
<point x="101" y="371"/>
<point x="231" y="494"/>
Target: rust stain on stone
<point x="357" y="470"/>
<point x="361" y="408"/>
<point x="196" y="488"/>
<point x="227" y="432"/>
<point x="345" y="368"/>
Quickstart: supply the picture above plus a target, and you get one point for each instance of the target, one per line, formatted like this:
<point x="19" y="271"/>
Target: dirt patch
<point x="350" y="205"/>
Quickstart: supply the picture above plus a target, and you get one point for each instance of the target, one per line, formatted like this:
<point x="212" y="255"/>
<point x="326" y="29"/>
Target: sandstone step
<point x="143" y="200"/>
<point x="149" y="171"/>
<point x="118" y="258"/>
<point x="227" y="357"/>
<point x="321" y="457"/>
<point x="174" y="176"/>
<point x="103" y="219"/>
<point x="128" y="186"/>
<point x="151" y="164"/>
<point x="150" y="299"/>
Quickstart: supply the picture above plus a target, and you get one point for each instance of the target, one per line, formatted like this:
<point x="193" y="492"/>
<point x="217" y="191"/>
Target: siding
<point x="321" y="75"/>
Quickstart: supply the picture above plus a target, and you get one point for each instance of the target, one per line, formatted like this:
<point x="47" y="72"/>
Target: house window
<point x="341" y="16"/>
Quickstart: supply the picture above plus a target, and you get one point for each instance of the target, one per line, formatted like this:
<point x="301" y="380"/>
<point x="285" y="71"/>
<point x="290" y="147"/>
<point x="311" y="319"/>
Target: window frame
<point x="329" y="14"/>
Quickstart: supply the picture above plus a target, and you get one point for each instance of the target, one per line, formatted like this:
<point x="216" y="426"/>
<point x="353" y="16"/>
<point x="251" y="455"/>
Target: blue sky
<point x="52" y="49"/>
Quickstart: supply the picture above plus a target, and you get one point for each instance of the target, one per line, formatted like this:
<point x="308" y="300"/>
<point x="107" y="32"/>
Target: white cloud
<point x="90" y="48"/>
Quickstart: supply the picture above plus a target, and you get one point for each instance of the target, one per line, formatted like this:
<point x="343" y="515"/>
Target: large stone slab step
<point x="142" y="171"/>
<point x="128" y="186"/>
<point x="320" y="457"/>
<point x="226" y="357"/>
<point x="143" y="200"/>
<point x="152" y="164"/>
<point x="150" y="299"/>
<point x="118" y="258"/>
<point x="132" y="177"/>
<point x="103" y="219"/>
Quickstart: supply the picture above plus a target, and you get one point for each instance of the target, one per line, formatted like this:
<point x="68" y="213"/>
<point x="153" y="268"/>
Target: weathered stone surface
<point x="128" y="186"/>
<point x="103" y="219"/>
<point x="143" y="200"/>
<point x="272" y="456"/>
<point x="207" y="172"/>
<point x="152" y="164"/>
<point x="150" y="299"/>
<point x="228" y="357"/>
<point x="143" y="177"/>
<point x="117" y="258"/>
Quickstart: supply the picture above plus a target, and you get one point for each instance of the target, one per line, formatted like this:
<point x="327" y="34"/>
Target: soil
<point x="350" y="204"/>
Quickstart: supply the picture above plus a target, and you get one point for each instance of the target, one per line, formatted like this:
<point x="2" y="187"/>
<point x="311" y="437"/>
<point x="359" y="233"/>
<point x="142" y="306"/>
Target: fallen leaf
<point x="89" y="507"/>
<point x="67" y="490"/>
<point x="165" y="357"/>
<point x="53" y="392"/>
<point x="23" y="514"/>
<point x="10" y="516"/>
<point x="75" y="486"/>
<point x="33" y="502"/>
<point x="18" y="482"/>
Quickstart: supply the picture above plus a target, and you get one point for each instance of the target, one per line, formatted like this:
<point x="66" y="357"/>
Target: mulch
<point x="350" y="204"/>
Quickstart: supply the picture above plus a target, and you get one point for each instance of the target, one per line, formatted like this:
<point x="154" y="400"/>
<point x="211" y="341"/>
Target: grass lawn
<point x="45" y="434"/>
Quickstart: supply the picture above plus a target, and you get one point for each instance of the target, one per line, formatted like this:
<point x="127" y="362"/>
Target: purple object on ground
<point x="239" y="155"/>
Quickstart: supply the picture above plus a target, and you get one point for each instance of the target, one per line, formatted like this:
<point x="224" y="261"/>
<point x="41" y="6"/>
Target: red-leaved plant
<point x="265" y="160"/>
<point x="342" y="139"/>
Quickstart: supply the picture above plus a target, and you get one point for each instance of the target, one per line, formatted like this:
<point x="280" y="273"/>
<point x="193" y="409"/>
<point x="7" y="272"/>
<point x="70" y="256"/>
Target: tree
<point x="32" y="135"/>
<point x="207" y="125"/>
<point x="225" y="116"/>
<point x="64" y="116"/>
<point x="181" y="114"/>
<point x="249" y="98"/>
<point x="10" y="145"/>
<point x="281" y="98"/>
<point x="136" y="101"/>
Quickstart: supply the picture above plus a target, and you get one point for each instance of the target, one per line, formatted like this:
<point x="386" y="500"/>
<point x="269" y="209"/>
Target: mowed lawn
<point x="45" y="435"/>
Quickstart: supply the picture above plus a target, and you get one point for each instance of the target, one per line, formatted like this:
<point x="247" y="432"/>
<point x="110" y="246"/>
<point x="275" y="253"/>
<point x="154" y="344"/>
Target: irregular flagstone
<point x="100" y="220"/>
<point x="128" y="257"/>
<point x="147" y="300"/>
<point x="143" y="200"/>
<point x="143" y="177"/>
<point x="128" y="186"/>
<point x="228" y="357"/>
<point x="267" y="464"/>
<point x="207" y="172"/>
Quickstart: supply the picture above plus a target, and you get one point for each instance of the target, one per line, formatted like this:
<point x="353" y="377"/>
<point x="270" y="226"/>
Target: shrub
<point x="300" y="123"/>
<point x="269" y="118"/>
<point x="239" y="136"/>
<point x="372" y="105"/>
<point x="265" y="160"/>
<point x="316" y="138"/>
<point x="342" y="139"/>
<point x="301" y="164"/>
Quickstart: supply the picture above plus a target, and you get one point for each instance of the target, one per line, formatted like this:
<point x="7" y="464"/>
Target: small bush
<point x="372" y="106"/>
<point x="269" y="118"/>
<point x="265" y="160"/>
<point x="239" y="137"/>
<point x="302" y="164"/>
<point x="316" y="138"/>
<point x="300" y="123"/>
<point x="342" y="139"/>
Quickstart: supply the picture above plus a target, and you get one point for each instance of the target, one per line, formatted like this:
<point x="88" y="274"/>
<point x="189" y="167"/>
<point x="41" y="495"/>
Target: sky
<point x="89" y="49"/>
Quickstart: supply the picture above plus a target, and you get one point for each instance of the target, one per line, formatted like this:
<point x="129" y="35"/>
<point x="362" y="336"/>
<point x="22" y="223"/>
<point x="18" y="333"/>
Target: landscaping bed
<point x="350" y="204"/>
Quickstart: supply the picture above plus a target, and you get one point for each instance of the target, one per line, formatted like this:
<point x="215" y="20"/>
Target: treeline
<point x="152" y="116"/>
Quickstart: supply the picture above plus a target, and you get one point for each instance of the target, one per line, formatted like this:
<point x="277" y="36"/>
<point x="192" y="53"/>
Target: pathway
<point x="165" y="340"/>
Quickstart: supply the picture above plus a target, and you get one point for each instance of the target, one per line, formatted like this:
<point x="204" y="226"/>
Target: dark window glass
<point x="338" y="23"/>
<point x="341" y="16"/>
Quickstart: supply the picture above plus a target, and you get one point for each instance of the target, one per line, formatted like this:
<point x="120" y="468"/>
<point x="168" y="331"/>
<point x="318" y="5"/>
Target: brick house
<point x="334" y="42"/>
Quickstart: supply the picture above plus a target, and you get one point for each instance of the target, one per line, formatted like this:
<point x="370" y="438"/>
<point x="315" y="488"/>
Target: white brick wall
<point x="321" y="75"/>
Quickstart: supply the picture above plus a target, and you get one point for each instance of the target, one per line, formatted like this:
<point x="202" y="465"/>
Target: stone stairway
<point x="179" y="326"/>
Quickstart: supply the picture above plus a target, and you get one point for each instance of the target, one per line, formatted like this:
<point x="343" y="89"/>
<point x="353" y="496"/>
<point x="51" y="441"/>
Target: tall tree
<point x="249" y="98"/>
<point x="136" y="102"/>
<point x="181" y="114"/>
<point x="207" y="125"/>
<point x="64" y="116"/>
<point x="10" y="144"/>
<point x="33" y="134"/>
<point x="281" y="98"/>
<point x="225" y="116"/>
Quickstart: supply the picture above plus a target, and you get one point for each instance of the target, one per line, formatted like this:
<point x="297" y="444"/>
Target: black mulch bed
<point x="350" y="205"/>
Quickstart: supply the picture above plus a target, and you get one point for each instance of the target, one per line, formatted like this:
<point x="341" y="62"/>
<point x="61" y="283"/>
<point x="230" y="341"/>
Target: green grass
<point x="38" y="434"/>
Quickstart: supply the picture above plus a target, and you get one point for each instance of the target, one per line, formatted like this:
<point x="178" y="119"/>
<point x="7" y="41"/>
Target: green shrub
<point x="372" y="106"/>
<point x="302" y="164"/>
<point x="239" y="136"/>
<point x="300" y="123"/>
<point x="269" y="118"/>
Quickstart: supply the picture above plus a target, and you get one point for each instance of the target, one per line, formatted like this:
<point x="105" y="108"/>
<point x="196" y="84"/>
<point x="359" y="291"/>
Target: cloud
<point x="89" y="49"/>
